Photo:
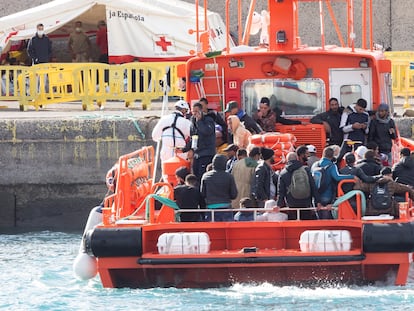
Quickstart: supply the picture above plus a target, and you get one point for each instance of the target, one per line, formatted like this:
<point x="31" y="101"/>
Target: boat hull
<point x="252" y="253"/>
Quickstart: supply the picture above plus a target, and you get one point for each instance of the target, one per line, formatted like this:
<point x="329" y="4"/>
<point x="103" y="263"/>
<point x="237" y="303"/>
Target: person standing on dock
<point x="39" y="47"/>
<point x="79" y="45"/>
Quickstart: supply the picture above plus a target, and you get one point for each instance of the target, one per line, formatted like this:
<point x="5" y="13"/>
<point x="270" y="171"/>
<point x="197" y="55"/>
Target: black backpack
<point x="380" y="197"/>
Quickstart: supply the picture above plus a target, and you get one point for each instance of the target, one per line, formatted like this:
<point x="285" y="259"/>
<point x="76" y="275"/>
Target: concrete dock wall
<point x="53" y="171"/>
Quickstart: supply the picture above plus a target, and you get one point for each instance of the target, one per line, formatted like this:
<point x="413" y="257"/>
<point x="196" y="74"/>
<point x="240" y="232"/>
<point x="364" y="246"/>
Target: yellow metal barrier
<point x="9" y="77"/>
<point x="402" y="74"/>
<point x="45" y="84"/>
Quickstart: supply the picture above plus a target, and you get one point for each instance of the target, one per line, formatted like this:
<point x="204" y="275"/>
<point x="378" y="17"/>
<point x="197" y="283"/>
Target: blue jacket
<point x="332" y="172"/>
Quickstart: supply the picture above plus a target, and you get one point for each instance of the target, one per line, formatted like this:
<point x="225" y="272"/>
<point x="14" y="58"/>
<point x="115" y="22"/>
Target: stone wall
<point x="393" y="26"/>
<point x="53" y="171"/>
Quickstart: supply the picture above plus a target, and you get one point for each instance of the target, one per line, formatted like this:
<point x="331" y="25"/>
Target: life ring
<point x="298" y="70"/>
<point x="267" y="69"/>
<point x="272" y="138"/>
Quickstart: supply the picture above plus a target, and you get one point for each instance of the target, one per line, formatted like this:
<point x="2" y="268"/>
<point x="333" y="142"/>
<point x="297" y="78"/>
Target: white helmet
<point x="181" y="104"/>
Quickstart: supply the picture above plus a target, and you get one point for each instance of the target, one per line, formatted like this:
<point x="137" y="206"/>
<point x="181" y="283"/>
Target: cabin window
<point x="303" y="98"/>
<point x="386" y="90"/>
<point x="350" y="93"/>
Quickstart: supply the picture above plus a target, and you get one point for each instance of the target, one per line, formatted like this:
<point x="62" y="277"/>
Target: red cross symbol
<point x="163" y="44"/>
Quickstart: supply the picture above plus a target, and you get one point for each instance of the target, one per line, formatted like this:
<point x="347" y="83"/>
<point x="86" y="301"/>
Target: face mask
<point x="40" y="33"/>
<point x="78" y="29"/>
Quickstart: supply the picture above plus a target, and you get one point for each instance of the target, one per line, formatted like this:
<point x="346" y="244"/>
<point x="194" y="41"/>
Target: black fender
<point x="388" y="237"/>
<point x="113" y="242"/>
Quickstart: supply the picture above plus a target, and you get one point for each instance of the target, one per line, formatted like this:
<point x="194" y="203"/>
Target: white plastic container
<point x="183" y="243"/>
<point x="325" y="241"/>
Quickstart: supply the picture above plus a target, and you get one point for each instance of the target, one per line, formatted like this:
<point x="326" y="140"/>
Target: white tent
<point x="143" y="29"/>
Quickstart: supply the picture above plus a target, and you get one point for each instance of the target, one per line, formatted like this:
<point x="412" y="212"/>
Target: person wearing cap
<point x="273" y="212"/>
<point x="360" y="153"/>
<point x="232" y="108"/>
<point x="240" y="133"/>
<point x="355" y="126"/>
<point x="285" y="198"/>
<point x="264" y="183"/>
<point x="243" y="172"/>
<point x="173" y="131"/>
<point x="394" y="189"/>
<point x="231" y="156"/>
<point x="403" y="171"/>
<point x="331" y="120"/>
<point x="312" y="158"/>
<point x="382" y="130"/>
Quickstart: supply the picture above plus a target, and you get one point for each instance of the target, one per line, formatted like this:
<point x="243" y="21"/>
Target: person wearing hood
<point x="243" y="173"/>
<point x="240" y="133"/>
<point x="264" y="182"/>
<point x="382" y="130"/>
<point x="393" y="188"/>
<point x="285" y="197"/>
<point x="218" y="189"/>
<point x="39" y="47"/>
<point x="403" y="171"/>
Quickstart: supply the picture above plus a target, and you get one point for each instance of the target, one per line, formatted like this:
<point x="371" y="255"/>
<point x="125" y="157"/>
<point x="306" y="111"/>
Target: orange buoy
<point x="170" y="166"/>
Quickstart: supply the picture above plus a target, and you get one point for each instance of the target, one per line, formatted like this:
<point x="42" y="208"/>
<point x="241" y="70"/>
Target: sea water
<point x="36" y="274"/>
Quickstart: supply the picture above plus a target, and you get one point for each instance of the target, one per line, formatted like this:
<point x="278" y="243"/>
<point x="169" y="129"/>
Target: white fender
<point x="85" y="266"/>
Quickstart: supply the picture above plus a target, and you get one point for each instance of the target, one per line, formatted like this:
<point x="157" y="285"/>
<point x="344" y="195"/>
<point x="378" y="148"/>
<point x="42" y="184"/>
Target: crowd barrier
<point x="402" y="74"/>
<point x="91" y="83"/>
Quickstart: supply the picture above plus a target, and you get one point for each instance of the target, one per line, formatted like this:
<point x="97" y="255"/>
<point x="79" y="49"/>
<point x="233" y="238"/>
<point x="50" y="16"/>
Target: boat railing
<point x="255" y="211"/>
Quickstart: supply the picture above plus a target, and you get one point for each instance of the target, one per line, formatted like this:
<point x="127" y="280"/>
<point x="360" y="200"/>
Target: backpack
<point x="299" y="186"/>
<point x="320" y="175"/>
<point x="380" y="197"/>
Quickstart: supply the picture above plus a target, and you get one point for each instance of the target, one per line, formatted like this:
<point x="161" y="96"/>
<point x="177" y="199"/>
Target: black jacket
<point x="379" y="132"/>
<point x="188" y="197"/>
<point x="403" y="171"/>
<point x="334" y="120"/>
<point x="218" y="186"/>
<point x="358" y="172"/>
<point x="285" y="178"/>
<point x="40" y="49"/>
<point x="369" y="166"/>
<point x="261" y="182"/>
<point x="205" y="129"/>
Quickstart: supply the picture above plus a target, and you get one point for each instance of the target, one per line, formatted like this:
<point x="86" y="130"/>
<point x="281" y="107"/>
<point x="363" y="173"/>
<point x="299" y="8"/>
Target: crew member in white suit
<point x="173" y="130"/>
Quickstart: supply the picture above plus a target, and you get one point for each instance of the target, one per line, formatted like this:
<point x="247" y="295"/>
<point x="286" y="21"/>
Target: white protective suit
<point x="166" y="133"/>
